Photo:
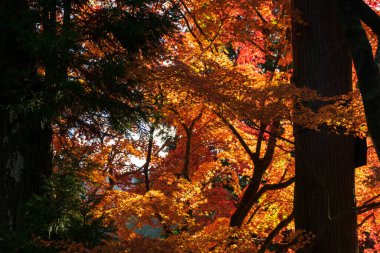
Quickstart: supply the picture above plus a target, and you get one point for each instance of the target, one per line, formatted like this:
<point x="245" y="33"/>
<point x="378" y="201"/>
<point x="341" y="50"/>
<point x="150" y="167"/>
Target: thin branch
<point x="254" y="43"/>
<point x="372" y="214"/>
<point x="165" y="226"/>
<point x="217" y="32"/>
<point x="254" y="213"/>
<point x="194" y="19"/>
<point x="253" y="125"/>
<point x="260" y="140"/>
<point x="271" y="146"/>
<point x="371" y="199"/>
<point x="238" y="136"/>
<point x="272" y="187"/>
<point x="181" y="120"/>
<point x="260" y="16"/>
<point x="358" y="210"/>
<point x="368" y="207"/>
<point x="275" y="231"/>
<point x="148" y="158"/>
<point x="195" y="120"/>
<point x="190" y="29"/>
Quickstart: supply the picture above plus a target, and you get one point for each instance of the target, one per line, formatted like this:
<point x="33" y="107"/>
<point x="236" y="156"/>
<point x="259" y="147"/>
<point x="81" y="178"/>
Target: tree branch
<point x="238" y="136"/>
<point x="272" y="187"/>
<point x="253" y="125"/>
<point x="260" y="16"/>
<point x="366" y="14"/>
<point x="275" y="231"/>
<point x="351" y="12"/>
<point x="260" y="140"/>
<point x="365" y="219"/>
<point x="278" y="186"/>
<point x="271" y="146"/>
<point x="368" y="207"/>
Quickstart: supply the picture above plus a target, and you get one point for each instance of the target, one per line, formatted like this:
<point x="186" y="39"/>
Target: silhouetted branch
<point x="275" y="231"/>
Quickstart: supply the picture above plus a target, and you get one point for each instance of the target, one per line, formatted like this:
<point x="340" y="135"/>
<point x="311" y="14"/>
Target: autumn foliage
<point x="220" y="130"/>
<point x="207" y="162"/>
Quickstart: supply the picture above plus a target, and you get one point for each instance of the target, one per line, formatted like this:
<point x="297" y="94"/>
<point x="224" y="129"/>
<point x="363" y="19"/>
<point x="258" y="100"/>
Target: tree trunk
<point x="25" y="137"/>
<point x="324" y="185"/>
<point x="148" y="157"/>
<point x="25" y="157"/>
<point x="249" y="198"/>
<point x="367" y="67"/>
<point x="252" y="193"/>
<point x="186" y="158"/>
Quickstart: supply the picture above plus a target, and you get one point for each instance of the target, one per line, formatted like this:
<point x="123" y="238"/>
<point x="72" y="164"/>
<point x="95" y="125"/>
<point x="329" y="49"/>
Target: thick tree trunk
<point x="25" y="157"/>
<point x="25" y="140"/>
<point x="324" y="186"/>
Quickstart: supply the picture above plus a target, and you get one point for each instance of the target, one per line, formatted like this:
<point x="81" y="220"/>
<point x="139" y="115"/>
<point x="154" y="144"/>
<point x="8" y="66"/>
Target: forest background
<point x="177" y="126"/>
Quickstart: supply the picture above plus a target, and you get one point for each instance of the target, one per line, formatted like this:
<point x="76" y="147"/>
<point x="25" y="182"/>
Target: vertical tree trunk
<point x="25" y="157"/>
<point x="25" y="140"/>
<point x="148" y="157"/>
<point x="352" y="12"/>
<point x="186" y="158"/>
<point x="324" y="186"/>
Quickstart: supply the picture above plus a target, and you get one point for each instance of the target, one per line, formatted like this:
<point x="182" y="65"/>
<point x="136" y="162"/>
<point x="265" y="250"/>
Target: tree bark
<point x="25" y="137"/>
<point x="25" y="159"/>
<point x="324" y="185"/>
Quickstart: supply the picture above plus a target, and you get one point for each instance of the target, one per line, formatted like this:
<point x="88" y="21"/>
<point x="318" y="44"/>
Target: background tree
<point x="69" y="59"/>
<point x="26" y="154"/>
<point x="185" y="147"/>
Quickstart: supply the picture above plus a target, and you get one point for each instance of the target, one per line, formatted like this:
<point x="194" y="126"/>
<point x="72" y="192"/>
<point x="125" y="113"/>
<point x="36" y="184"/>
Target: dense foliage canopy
<point x="167" y="126"/>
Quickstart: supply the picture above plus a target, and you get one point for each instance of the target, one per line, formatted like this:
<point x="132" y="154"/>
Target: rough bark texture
<point x="25" y="140"/>
<point x="324" y="186"/>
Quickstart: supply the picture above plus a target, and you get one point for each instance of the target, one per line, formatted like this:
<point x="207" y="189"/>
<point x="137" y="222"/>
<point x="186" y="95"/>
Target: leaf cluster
<point x="65" y="212"/>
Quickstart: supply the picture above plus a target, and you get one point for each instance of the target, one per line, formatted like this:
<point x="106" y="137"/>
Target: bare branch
<point x="368" y="207"/>
<point x="260" y="16"/>
<point x="238" y="136"/>
<point x="372" y="214"/>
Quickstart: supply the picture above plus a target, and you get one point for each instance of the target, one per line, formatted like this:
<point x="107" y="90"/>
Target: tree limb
<point x="275" y="231"/>
<point x="366" y="14"/>
<point x="367" y="70"/>
<point x="238" y="136"/>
